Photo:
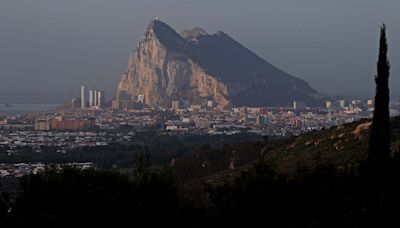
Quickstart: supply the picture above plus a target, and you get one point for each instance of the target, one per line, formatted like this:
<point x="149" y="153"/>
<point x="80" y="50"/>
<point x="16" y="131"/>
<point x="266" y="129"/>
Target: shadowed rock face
<point x="198" y="67"/>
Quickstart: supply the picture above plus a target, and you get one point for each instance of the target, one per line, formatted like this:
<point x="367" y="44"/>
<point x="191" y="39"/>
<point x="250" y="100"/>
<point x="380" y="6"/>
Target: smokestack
<point x="83" y="96"/>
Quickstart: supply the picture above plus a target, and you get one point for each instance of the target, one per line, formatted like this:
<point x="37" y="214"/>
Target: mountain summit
<point x="196" y="67"/>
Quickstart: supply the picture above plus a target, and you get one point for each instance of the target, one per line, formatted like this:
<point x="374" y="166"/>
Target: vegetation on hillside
<point x="163" y="148"/>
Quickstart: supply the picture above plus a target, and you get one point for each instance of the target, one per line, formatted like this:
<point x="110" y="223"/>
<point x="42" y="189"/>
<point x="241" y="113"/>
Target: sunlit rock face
<point x="198" y="67"/>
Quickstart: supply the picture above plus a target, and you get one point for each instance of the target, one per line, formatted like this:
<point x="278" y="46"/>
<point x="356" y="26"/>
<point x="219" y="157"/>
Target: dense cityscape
<point x="92" y="124"/>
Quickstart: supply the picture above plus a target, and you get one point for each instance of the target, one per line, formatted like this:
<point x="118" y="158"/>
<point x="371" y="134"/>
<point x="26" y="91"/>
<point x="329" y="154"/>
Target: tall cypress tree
<point x="379" y="150"/>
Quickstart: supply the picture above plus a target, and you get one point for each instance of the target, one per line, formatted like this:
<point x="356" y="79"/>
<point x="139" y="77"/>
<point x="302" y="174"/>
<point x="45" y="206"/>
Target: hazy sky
<point x="48" y="48"/>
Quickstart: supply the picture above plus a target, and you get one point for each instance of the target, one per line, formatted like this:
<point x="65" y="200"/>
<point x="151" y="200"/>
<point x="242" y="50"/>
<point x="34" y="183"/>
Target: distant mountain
<point x="195" y="66"/>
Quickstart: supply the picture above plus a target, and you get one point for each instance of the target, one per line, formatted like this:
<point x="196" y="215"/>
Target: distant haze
<point x="48" y="48"/>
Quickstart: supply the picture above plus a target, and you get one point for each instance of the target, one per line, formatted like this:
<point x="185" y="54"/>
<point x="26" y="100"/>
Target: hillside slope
<point x="344" y="147"/>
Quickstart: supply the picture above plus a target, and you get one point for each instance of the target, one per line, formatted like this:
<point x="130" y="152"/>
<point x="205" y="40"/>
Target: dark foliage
<point x="323" y="199"/>
<point x="379" y="153"/>
<point x="163" y="148"/>
<point x="73" y="197"/>
<point x="5" y="204"/>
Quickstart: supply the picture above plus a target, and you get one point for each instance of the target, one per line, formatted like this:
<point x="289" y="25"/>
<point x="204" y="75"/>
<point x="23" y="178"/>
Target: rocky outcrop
<point x="197" y="67"/>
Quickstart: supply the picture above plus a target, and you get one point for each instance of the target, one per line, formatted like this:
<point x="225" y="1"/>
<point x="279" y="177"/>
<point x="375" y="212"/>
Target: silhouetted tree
<point x="379" y="159"/>
<point x="379" y="151"/>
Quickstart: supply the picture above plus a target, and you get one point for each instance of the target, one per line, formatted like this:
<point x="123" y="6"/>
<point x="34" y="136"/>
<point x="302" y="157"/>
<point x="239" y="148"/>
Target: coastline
<point x="21" y="109"/>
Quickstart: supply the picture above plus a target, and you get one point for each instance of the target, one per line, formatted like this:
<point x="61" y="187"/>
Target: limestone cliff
<point x="198" y="67"/>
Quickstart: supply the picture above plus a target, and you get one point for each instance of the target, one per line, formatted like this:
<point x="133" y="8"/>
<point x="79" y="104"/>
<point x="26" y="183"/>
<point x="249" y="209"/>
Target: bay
<point x="21" y="109"/>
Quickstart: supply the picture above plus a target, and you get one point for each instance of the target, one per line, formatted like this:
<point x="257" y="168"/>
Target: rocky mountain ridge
<point x="195" y="67"/>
